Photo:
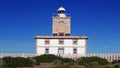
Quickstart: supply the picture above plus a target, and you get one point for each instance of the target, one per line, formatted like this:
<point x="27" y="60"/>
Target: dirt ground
<point x="51" y="65"/>
<point x="45" y="65"/>
<point x="42" y="65"/>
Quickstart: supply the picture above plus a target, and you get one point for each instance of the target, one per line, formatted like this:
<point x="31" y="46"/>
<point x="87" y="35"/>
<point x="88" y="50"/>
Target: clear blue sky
<point x="22" y="20"/>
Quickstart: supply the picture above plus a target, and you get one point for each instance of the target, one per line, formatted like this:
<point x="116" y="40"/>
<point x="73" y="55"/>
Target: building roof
<point x="61" y="37"/>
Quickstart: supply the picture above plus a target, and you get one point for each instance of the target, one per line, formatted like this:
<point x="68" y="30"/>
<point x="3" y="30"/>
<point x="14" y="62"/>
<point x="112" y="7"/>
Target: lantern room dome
<point x="61" y="9"/>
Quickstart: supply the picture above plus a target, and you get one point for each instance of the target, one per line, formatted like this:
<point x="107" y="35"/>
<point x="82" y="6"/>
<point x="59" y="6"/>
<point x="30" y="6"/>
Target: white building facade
<point x="61" y="42"/>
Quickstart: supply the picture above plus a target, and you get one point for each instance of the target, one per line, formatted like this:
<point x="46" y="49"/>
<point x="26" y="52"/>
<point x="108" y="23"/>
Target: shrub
<point x="57" y="62"/>
<point x="46" y="58"/>
<point x="92" y="65"/>
<point x="116" y="66"/>
<point x="17" y="62"/>
<point x="115" y="61"/>
<point x="66" y="60"/>
<point x="71" y="63"/>
<point x="88" y="60"/>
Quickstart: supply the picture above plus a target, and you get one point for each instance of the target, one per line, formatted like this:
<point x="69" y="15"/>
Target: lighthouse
<point x="61" y="42"/>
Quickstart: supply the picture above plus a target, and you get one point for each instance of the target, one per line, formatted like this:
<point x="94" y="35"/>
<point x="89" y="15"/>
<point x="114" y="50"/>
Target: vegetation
<point x="84" y="62"/>
<point x="66" y="60"/>
<point x="58" y="62"/>
<point x="46" y="58"/>
<point x="115" y="61"/>
<point x="92" y="60"/>
<point x="14" y="62"/>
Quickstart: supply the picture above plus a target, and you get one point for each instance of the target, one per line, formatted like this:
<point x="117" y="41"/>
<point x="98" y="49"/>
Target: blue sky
<point x="22" y="20"/>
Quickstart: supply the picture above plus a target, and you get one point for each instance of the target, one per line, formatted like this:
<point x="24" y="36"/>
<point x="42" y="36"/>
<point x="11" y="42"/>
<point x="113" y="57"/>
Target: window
<point x="61" y="34"/>
<point x="46" y="51"/>
<point x="61" y="11"/>
<point x="67" y="34"/>
<point x="55" y="34"/>
<point x="74" y="51"/>
<point x="60" y="51"/>
<point x="61" y="42"/>
<point x="47" y="42"/>
<point x="75" y="42"/>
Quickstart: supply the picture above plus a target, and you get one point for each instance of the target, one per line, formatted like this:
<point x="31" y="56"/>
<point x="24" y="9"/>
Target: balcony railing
<point x="56" y="15"/>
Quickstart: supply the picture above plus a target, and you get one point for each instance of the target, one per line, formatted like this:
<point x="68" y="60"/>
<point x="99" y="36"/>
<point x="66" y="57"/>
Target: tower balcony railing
<point x="56" y="15"/>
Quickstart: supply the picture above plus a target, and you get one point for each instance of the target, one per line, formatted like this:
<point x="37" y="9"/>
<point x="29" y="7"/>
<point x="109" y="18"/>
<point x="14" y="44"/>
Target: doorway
<point x="60" y="51"/>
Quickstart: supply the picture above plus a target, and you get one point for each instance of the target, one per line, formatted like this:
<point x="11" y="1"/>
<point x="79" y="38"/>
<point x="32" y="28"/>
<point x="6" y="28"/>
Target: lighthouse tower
<point x="61" y="23"/>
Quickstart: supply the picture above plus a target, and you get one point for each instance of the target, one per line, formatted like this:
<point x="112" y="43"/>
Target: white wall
<point x="80" y="50"/>
<point x="40" y="42"/>
<point x="81" y="42"/>
<point x="53" y="42"/>
<point x="68" y="46"/>
<point x="68" y="42"/>
<point x="53" y="50"/>
<point x="68" y="50"/>
<point x="40" y="50"/>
